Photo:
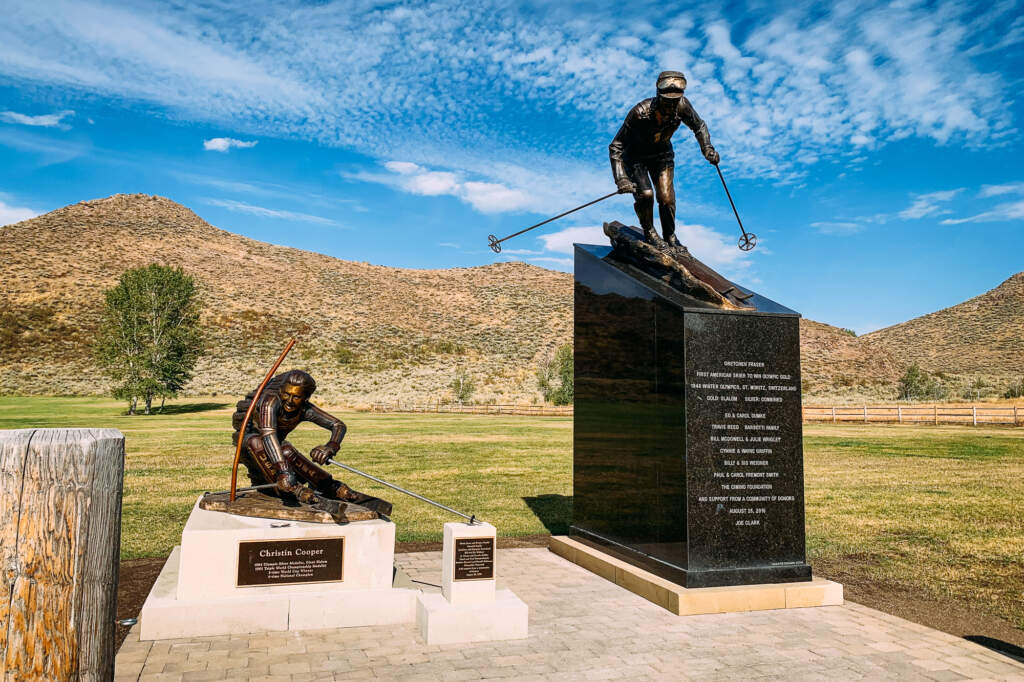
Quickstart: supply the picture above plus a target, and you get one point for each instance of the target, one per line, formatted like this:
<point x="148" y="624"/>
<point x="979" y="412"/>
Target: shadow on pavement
<point x="998" y="645"/>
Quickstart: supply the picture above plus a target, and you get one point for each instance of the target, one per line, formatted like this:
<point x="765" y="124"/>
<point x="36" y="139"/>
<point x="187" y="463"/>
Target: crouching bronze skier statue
<point x="642" y="152"/>
<point x="270" y="459"/>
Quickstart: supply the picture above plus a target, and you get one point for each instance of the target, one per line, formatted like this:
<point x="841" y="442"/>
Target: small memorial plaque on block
<point x="291" y="562"/>
<point x="474" y="559"/>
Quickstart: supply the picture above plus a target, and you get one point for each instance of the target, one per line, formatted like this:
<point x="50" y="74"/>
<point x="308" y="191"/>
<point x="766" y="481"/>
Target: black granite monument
<point x="688" y="457"/>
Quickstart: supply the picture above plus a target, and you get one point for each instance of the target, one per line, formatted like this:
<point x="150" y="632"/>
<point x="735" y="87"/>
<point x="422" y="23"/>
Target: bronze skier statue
<point x="270" y="459"/>
<point x="642" y="152"/>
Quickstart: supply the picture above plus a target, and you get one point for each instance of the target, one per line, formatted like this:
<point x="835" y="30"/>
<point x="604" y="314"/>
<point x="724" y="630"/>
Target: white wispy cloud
<point x="711" y="247"/>
<point x="223" y="144"/>
<point x="40" y="120"/>
<point x="288" y="192"/>
<point x="781" y="88"/>
<point x="14" y="214"/>
<point x="46" y="150"/>
<point x="486" y="197"/>
<point x="242" y="207"/>
<point x="932" y="203"/>
<point x="999" y="190"/>
<point x="562" y="240"/>
<point x="551" y="260"/>
<point x="837" y="228"/>
<point x="1013" y="210"/>
<point x="521" y="252"/>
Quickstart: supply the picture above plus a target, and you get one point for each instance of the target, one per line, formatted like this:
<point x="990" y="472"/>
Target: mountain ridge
<point x="379" y="333"/>
<point x="398" y="331"/>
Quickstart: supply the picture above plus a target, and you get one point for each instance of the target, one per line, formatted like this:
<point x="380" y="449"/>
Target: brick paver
<point x="583" y="627"/>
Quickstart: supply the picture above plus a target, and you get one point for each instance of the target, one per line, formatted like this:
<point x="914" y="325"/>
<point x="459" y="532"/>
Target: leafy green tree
<point x="150" y="340"/>
<point x="462" y="385"/>
<point x="556" y="377"/>
<point x="917" y="384"/>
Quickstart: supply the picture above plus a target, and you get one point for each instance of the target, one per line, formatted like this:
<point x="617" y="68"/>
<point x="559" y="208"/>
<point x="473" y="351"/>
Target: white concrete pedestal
<point x="470" y="608"/>
<point x="197" y="592"/>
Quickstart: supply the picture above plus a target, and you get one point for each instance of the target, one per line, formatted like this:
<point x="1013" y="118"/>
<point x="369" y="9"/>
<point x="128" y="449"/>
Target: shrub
<point x="344" y="355"/>
<point x="916" y="384"/>
<point x="462" y="385"/>
<point x="556" y="377"/>
<point x="1015" y="390"/>
<point x="977" y="389"/>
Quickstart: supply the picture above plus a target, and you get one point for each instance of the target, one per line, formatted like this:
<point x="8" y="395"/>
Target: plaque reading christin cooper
<point x="290" y="562"/>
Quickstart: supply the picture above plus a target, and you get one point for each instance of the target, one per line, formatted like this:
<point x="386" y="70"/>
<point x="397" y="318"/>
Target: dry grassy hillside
<point x="983" y="336"/>
<point x="372" y="333"/>
<point x="835" y="363"/>
<point x="367" y="332"/>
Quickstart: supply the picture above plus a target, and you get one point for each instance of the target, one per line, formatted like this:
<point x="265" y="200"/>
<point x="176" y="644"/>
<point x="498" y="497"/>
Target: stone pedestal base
<point x="684" y="601"/>
<point x="440" y="622"/>
<point x="470" y="608"/>
<point x="236" y="574"/>
<point x="164" y="616"/>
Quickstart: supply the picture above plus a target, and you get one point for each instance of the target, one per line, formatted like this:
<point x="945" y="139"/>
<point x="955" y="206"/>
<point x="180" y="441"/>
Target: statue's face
<point x="665" y="105"/>
<point x="292" y="397"/>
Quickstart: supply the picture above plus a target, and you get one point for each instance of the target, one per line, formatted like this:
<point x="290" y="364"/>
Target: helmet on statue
<point x="671" y="84"/>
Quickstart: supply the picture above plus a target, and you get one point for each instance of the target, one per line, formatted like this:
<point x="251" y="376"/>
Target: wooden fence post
<point x="865" y="414"/>
<point x="1014" y="415"/>
<point x="833" y="414"/>
<point x="935" y="413"/>
<point x="974" y="410"/>
<point x="60" y="531"/>
<point x="899" y="414"/>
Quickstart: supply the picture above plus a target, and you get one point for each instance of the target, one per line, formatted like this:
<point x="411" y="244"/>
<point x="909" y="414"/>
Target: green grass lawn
<point x="932" y="507"/>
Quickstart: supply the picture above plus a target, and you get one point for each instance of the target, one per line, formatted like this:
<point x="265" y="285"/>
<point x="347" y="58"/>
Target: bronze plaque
<point x="474" y="559"/>
<point x="291" y="562"/>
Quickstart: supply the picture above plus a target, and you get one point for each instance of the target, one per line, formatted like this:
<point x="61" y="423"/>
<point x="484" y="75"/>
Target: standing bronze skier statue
<point x="642" y="152"/>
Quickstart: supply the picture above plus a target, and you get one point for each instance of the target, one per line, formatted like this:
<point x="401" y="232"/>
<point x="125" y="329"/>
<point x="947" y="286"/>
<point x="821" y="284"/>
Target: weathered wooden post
<point x="60" y="531"/>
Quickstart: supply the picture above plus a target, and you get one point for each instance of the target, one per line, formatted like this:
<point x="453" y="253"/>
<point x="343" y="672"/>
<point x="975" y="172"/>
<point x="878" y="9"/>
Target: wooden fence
<point x="916" y="414"/>
<point x="534" y="410"/>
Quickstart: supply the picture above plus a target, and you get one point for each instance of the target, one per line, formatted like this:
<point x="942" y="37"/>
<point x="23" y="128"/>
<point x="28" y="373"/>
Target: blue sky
<point x="874" y="148"/>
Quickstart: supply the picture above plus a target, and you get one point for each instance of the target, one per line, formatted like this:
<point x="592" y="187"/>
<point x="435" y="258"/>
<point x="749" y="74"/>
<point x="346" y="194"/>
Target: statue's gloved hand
<point x="307" y="496"/>
<point x="625" y="185"/>
<point x="711" y="155"/>
<point x="321" y="453"/>
<point x="289" y="483"/>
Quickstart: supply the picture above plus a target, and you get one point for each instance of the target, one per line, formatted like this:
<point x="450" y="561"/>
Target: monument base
<point x="747" y="575"/>
<point x="684" y="601"/>
<point x="440" y="622"/>
<point x="470" y="608"/>
<point x="164" y="616"/>
<point x="239" y="574"/>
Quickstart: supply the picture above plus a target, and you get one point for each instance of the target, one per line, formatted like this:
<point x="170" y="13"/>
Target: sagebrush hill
<point x="366" y="332"/>
<point x="373" y="333"/>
